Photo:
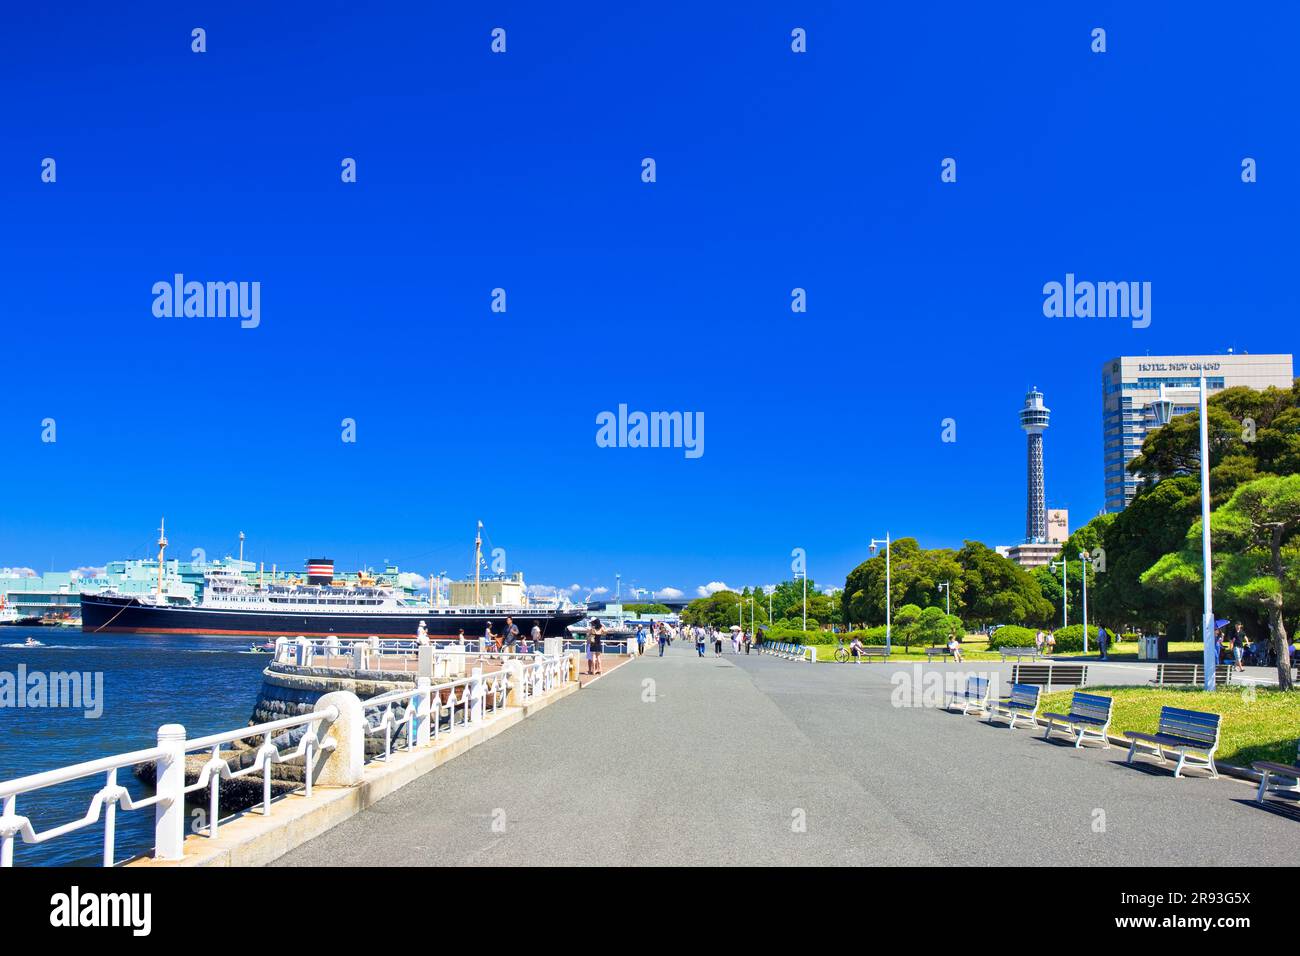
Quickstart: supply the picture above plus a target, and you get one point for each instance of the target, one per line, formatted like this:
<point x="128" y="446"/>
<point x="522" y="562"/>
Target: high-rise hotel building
<point x="1129" y="384"/>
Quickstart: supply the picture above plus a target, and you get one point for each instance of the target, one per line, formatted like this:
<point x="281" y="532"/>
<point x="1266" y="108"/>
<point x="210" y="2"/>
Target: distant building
<point x="1129" y="384"/>
<point x="1035" y="554"/>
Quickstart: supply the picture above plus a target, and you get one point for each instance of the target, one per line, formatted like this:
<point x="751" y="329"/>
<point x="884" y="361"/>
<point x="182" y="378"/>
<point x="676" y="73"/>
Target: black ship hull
<point x="114" y="614"/>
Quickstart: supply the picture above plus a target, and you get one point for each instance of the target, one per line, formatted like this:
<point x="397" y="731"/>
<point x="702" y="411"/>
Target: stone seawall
<point x="289" y="690"/>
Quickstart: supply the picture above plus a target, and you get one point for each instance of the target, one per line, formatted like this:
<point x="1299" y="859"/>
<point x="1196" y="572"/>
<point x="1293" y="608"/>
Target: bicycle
<point x="843" y="654"/>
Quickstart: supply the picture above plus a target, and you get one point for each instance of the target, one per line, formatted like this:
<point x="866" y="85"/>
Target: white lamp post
<point x="1083" y="570"/>
<point x="1065" y="595"/>
<point x="1164" y="411"/>
<point x="947" y="596"/>
<point x="889" y="611"/>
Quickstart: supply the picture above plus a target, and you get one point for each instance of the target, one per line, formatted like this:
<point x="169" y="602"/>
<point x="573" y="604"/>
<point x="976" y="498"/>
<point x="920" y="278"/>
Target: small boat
<point x="33" y="642"/>
<point x="265" y="648"/>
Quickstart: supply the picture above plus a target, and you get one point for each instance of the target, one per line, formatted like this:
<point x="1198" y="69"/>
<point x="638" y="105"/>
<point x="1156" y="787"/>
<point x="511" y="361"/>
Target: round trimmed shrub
<point x="1012" y="635"/>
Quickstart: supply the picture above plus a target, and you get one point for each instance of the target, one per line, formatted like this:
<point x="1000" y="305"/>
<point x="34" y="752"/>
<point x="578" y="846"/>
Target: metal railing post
<point x="169" y="781"/>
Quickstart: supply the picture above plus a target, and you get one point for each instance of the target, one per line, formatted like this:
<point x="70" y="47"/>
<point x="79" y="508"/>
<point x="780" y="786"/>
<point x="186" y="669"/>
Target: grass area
<point x="975" y="647"/>
<point x="1258" y="724"/>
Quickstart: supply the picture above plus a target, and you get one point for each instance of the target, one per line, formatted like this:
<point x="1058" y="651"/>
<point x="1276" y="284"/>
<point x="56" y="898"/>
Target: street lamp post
<point x="889" y="611"/>
<point x="804" y="574"/>
<point x="1164" y="411"/>
<point x="1065" y="594"/>
<point x="947" y="596"/>
<point x="1083" y="570"/>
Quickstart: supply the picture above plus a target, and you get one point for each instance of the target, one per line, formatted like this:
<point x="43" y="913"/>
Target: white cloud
<point x="713" y="587"/>
<point x="670" y="594"/>
<point x="575" y="587"/>
<point x="600" y="590"/>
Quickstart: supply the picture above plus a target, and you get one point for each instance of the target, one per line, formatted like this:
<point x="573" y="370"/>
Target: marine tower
<point x="1033" y="419"/>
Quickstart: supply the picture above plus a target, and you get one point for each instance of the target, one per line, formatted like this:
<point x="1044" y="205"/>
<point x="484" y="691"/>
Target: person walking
<point x="699" y="641"/>
<point x="640" y="640"/>
<point x="510" y="635"/>
<point x="1238" y="646"/>
<point x="595" y="644"/>
<point x="1038" y="641"/>
<point x="717" y="643"/>
<point x="663" y="639"/>
<point x="1103" y="640"/>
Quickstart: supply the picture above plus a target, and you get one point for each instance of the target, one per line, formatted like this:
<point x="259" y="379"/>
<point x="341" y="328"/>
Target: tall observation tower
<point x="1033" y="419"/>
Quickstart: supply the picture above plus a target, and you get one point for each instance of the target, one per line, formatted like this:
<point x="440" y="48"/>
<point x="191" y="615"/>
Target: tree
<point x="904" y="623"/>
<point x="915" y="576"/>
<point x="720" y="609"/>
<point x="1256" y="554"/>
<point x="933" y="627"/>
<point x="1154" y="524"/>
<point x="997" y="590"/>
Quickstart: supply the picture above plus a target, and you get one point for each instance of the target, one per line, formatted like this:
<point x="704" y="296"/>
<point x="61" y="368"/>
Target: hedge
<point x="1012" y="635"/>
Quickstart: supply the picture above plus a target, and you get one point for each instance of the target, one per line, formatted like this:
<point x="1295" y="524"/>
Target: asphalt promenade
<point x="756" y="760"/>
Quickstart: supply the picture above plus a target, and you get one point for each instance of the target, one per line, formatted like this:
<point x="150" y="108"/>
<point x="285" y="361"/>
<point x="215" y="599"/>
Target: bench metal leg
<point x="1048" y="732"/>
<point x="1182" y="758"/>
<point x="1263" y="786"/>
<point x="1079" y="732"/>
<point x="1214" y="771"/>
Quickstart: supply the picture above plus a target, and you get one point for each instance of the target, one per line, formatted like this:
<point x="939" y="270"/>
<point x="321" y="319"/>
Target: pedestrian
<point x="1103" y="641"/>
<point x="1238" y="646"/>
<point x="536" y="636"/>
<point x="595" y="643"/>
<point x="1049" y="642"/>
<point x="749" y="639"/>
<point x="489" y="639"/>
<point x="640" y="640"/>
<point x="663" y="639"/>
<point x="717" y="643"/>
<point x="1038" y="641"/>
<point x="699" y="641"/>
<point x="510" y="635"/>
<point x="422" y="633"/>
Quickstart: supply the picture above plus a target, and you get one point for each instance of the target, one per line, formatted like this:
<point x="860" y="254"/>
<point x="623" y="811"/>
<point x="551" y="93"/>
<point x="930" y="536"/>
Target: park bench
<point x="941" y="651"/>
<point x="1186" y="732"/>
<point x="1050" y="673"/>
<point x="1089" y="716"/>
<point x="1190" y="674"/>
<point x="1032" y="653"/>
<point x="974" y="696"/>
<point x="1269" y="769"/>
<point x="1021" y="705"/>
<point x="873" y="650"/>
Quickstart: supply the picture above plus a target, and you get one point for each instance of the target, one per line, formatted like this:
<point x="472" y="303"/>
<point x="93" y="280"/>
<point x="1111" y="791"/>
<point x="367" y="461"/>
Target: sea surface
<point x="208" y="684"/>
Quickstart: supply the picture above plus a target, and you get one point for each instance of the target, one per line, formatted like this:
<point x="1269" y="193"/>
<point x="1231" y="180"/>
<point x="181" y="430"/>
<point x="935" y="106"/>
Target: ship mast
<point x="478" y="560"/>
<point x="241" y="550"/>
<point x="162" y="546"/>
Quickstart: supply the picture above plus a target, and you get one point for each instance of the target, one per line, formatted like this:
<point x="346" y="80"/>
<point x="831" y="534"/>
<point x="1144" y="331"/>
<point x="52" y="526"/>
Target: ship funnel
<point x="320" y="570"/>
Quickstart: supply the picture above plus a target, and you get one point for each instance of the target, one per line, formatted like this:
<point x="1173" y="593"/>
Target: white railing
<point x="788" y="651"/>
<point x="388" y="654"/>
<point x="424" y="711"/>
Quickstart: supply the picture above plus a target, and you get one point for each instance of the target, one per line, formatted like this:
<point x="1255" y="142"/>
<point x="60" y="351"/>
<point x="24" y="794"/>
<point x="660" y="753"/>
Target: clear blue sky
<point x="522" y="171"/>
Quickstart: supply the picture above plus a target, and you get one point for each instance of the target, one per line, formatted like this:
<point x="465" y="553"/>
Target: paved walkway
<point x="734" y="753"/>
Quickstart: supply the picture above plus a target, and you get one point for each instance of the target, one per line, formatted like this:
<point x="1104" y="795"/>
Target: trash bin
<point x="1148" y="647"/>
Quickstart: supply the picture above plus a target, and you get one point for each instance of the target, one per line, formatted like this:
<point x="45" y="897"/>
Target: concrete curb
<point x="253" y="840"/>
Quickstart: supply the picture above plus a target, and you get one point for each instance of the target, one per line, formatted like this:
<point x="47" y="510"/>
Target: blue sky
<point x="522" y="171"/>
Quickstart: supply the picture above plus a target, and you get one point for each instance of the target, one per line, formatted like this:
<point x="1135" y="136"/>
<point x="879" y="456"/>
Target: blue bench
<point x="1089" y="716"/>
<point x="1021" y="705"/>
<point x="975" y="696"/>
<point x="1267" y="769"/>
<point x="1192" y="734"/>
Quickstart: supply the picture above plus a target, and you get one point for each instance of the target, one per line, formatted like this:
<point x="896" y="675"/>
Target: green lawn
<point x="1262" y="728"/>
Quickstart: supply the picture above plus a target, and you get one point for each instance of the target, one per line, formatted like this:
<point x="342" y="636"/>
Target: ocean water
<point x="208" y="684"/>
